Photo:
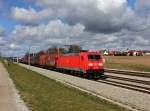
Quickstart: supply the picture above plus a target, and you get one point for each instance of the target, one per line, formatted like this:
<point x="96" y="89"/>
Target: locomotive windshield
<point x="94" y="57"/>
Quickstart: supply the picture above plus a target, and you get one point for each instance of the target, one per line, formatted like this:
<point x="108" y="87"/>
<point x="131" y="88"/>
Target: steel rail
<point x="131" y="73"/>
<point x="126" y="87"/>
<point x="128" y="84"/>
<point x="128" y="79"/>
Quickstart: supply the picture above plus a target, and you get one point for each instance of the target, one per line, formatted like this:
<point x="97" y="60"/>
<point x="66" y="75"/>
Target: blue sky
<point x="131" y="3"/>
<point x="6" y="20"/>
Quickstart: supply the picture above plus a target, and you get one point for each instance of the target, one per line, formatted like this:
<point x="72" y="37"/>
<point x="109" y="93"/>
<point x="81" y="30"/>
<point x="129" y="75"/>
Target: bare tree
<point x="74" y="49"/>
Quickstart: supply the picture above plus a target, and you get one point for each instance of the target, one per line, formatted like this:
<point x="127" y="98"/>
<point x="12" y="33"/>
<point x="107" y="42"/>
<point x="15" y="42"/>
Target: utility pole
<point x="58" y="51"/>
<point x="29" y="55"/>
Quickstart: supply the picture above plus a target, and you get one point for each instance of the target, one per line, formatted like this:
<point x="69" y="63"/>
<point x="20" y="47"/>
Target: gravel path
<point x="136" y="100"/>
<point x="9" y="97"/>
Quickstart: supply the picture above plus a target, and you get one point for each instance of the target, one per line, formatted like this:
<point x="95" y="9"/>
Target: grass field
<point x="137" y="63"/>
<point x="43" y="94"/>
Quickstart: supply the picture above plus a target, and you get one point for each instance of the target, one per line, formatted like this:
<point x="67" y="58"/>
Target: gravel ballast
<point x="132" y="99"/>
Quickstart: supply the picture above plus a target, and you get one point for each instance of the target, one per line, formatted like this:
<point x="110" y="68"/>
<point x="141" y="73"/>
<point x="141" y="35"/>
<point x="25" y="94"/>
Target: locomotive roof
<point x="72" y="54"/>
<point x="77" y="54"/>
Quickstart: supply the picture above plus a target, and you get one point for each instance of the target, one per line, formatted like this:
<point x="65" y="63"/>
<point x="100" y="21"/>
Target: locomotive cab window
<point x="94" y="57"/>
<point x="97" y="57"/>
<point x="90" y="57"/>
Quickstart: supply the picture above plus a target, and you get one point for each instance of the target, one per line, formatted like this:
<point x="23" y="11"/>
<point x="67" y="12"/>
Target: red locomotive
<point x="87" y="64"/>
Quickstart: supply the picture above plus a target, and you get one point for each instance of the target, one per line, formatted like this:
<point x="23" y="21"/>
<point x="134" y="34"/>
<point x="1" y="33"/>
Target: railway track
<point x="131" y="73"/>
<point x="124" y="81"/>
<point x="129" y="79"/>
<point x="137" y="81"/>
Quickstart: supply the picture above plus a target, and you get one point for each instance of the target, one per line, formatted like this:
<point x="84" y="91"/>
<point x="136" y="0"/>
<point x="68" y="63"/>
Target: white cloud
<point x="2" y="42"/>
<point x="58" y="33"/>
<point x="14" y="46"/>
<point x="107" y="7"/>
<point x="93" y="24"/>
<point x="141" y="41"/>
<point x="55" y="32"/>
<point x="96" y="15"/>
<point x="29" y="15"/>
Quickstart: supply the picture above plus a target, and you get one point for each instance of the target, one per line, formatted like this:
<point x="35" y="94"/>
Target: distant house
<point x="146" y="52"/>
<point x="124" y="53"/>
<point x="135" y="53"/>
<point x="110" y="52"/>
<point x="103" y="52"/>
<point x="106" y="52"/>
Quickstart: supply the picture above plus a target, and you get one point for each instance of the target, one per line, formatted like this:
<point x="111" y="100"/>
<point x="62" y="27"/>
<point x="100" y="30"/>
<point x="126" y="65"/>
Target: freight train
<point x="85" y="64"/>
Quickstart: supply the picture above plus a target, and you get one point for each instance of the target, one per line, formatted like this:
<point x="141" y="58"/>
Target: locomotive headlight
<point x="100" y="64"/>
<point x="90" y="64"/>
